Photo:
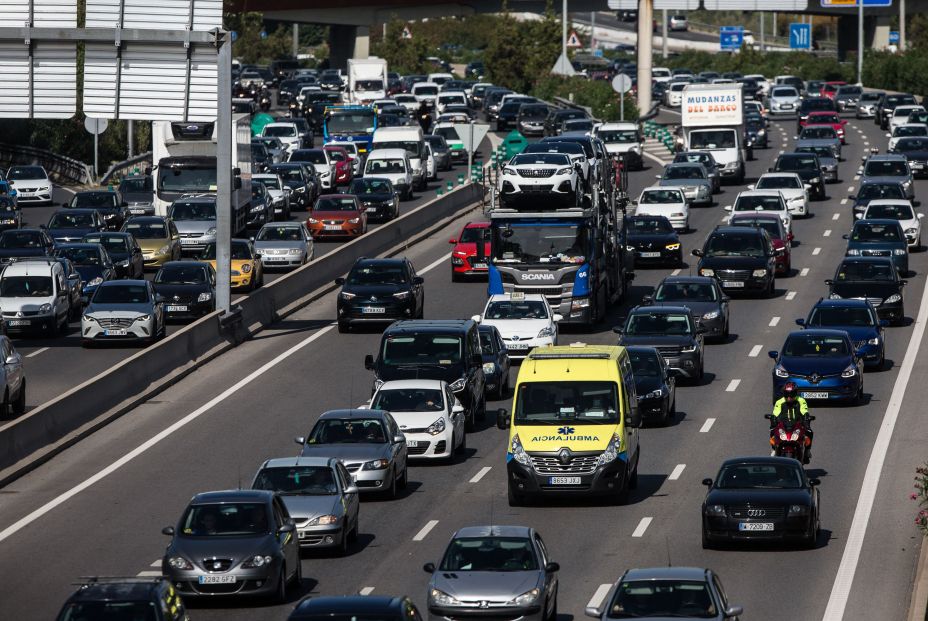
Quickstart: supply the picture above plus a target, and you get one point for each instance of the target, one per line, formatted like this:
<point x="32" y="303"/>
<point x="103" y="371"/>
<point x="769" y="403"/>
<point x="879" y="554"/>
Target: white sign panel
<point x="673" y="5"/>
<point x="198" y="15"/>
<point x="464" y="133"/>
<point x="712" y="105"/>
<point x="756" y="5"/>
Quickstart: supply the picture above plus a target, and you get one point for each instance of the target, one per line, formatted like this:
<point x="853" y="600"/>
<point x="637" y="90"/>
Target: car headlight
<point x="711" y="315"/>
<point x="206" y="296"/>
<point x="437" y="427"/>
<point x="489" y="367"/>
<point x="717" y="510"/>
<point x="611" y="452"/>
<point x="893" y="299"/>
<point x="401" y="295"/>
<point x="123" y="263"/>
<point x="852" y="252"/>
<point x="518" y="453"/>
<point x="779" y="371"/>
<point x="509" y="171"/>
<point x="817" y="180"/>
<point x="301" y="188"/>
<point x="458" y="384"/>
<point x="899" y="252"/>
<point x="564" y="171"/>
<point x="911" y="231"/>
<point x="850" y="371"/>
<point x="294" y="251"/>
<point x="164" y="249"/>
<point x="179" y="562"/>
<point x="440" y="598"/>
<point x="688" y="349"/>
<point x="246" y="267"/>
<point x="759" y="273"/>
<point x="674" y="246"/>
<point x="211" y="232"/>
<point x="142" y="318"/>
<point x="347" y="296"/>
<point x="654" y="394"/>
<point x="761" y="132"/>
<point x="323" y="520"/>
<point x="705" y="271"/>
<point x="95" y="282"/>
<point x="325" y="174"/>
<point x="834" y="296"/>
<point x="377" y="464"/>
<point x="545" y="332"/>
<point x="526" y="599"/>
<point x="312" y="221"/>
<point x="257" y="561"/>
<point x="90" y="318"/>
<point x="798" y="510"/>
<point x="874" y="341"/>
<point x="354" y="220"/>
<point x="45" y="308"/>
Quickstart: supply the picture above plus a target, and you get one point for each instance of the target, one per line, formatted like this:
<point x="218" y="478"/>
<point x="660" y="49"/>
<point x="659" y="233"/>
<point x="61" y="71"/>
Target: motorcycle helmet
<point x="790" y="391"/>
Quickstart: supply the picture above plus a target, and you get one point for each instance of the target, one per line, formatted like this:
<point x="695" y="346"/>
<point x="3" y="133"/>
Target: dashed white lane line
<point x="37" y="352"/>
<point x="773" y="322"/>
<point x="850" y="188"/>
<point x="676" y="272"/>
<point x="482" y="473"/>
<point x="598" y="597"/>
<point x="782" y="151"/>
<point x="366" y="590"/>
<point x="837" y="215"/>
<point x="755" y="351"/>
<point x="677" y="471"/>
<point x="642" y="526"/>
<point x="147" y="574"/>
<point x="856" y="177"/>
<point x="732" y="385"/>
<point x="843" y="202"/>
<point x="422" y="534"/>
<point x="815" y="251"/>
<point x="156" y="563"/>
<point x="706" y="426"/>
<point x="790" y="295"/>
<point x="804" y="272"/>
<point x="827" y="233"/>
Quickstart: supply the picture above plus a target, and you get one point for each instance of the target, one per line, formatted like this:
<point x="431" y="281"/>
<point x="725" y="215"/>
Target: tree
<point x="403" y="55"/>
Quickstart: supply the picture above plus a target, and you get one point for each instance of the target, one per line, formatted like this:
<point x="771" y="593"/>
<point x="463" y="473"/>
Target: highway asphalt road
<point x="609" y="20"/>
<point x="98" y="508"/>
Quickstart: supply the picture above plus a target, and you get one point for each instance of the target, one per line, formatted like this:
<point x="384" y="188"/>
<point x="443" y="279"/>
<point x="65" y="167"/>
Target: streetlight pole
<point x="645" y="60"/>
<point x="664" y="33"/>
<point x="901" y="25"/>
<point x="860" y="42"/>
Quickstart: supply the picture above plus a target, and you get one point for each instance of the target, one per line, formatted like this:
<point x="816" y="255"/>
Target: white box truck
<point x="184" y="158"/>
<point x="713" y="120"/>
<point x="367" y="80"/>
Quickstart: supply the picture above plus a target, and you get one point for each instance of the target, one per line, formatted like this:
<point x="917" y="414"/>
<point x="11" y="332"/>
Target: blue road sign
<point x="800" y="36"/>
<point x="234" y="34"/>
<point x="894" y="37"/>
<point x="848" y="3"/>
<point x="598" y="53"/>
<point x="731" y="37"/>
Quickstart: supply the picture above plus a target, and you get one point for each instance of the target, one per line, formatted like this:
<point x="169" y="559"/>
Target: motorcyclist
<point x="791" y="408"/>
<point x="425" y="117"/>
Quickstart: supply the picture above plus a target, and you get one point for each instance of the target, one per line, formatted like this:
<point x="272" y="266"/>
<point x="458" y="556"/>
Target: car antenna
<point x="667" y="545"/>
<point x="239" y="476"/>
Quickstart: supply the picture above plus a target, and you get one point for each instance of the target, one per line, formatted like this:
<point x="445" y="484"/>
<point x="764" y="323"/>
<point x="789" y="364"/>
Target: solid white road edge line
<point x="642" y="526"/>
<point x="677" y="471"/>
<point x="482" y="473"/>
<point x="422" y="534"/>
<point x="844" y="579"/>
<point x="755" y="351"/>
<point x="147" y="574"/>
<point x="599" y="596"/>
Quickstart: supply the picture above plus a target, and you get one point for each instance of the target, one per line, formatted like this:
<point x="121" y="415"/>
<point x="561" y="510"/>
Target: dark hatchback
<point x="672" y="331"/>
<point x="378" y="197"/>
<point x="915" y="150"/>
<point x="655" y="385"/>
<point x="70" y="225"/>
<point x="188" y="287"/>
<point x="123" y="250"/>
<point x="874" y="279"/>
<point x="874" y="190"/>
<point x="856" y="317"/>
<point x="760" y="499"/>
<point x="742" y="259"/>
<point x="379" y="291"/>
<point x="807" y="166"/>
<point x="879" y="238"/>
<point x="495" y="361"/>
<point x="304" y="191"/>
<point x="19" y="243"/>
<point x="813" y="104"/>
<point x="702" y="295"/>
<point x="653" y="240"/>
<point x="823" y="363"/>
<point x="92" y="262"/>
<point x="11" y="216"/>
<point x="113" y="208"/>
<point x="355" y="608"/>
<point x="151" y="599"/>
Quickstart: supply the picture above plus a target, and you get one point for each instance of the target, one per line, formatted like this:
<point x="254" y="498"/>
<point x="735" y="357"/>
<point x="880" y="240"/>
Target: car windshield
<point x="570" y="148"/>
<point x="796" y="162"/>
<point x="881" y="190"/>
<point x="896" y="211"/>
<point x="526" y="309"/>
<point x="311" y="156"/>
<point x="685" y="291"/>
<point x="665" y="324"/>
<point x="347" y="431"/>
<point x="817" y="104"/>
<point x="122" y="293"/>
<point x="409" y="400"/>
<point x="194" y="211"/>
<point x="828" y="316"/>
<point x="823" y="118"/>
<point x="660" y="197"/>
<point x="447" y="132"/>
<point x="336" y="204"/>
<point x="337" y="155"/>
<point x="645" y="364"/>
<point x="181" y="275"/>
<point x="849" y="90"/>
<point x="385" y="166"/>
<point x="489" y="554"/>
<point x="662" y="598"/>
<point x="912" y="144"/>
<point x="241" y="251"/>
<point x="875" y="232"/>
<point x="147" y="230"/>
<point x="279" y="233"/>
<point x="771" y="226"/>
<point x="854" y="271"/>
<point x="113" y="244"/>
<point x="27" y="172"/>
<point x="410" y="146"/>
<point x="778" y="183"/>
<point x="713" y="139"/>
<point x="784" y="92"/>
<point x="818" y="133"/>
<point x="759" y="202"/>
<point x="280" y="131"/>
<point x="554" y="159"/>
<point x="646" y="225"/>
<point x="370" y="186"/>
<point x="886" y="168"/>
<point x="566" y="402"/>
<point x="541" y="243"/>
<point x="683" y="172"/>
<point x="11" y="240"/>
<point x="271" y="183"/>
<point x="93" y="199"/>
<point x="290" y="173"/>
<point x="425" y="90"/>
<point x="110" y="611"/>
<point x="911" y="130"/>
<point x="377" y="274"/>
<point x="81" y="256"/>
<point x="25" y="287"/>
<point x="822" y="151"/>
<point x="806" y="345"/>
<point x="233" y="519"/>
<point x="297" y="480"/>
<point x="760" y="476"/>
<point x="618" y="135"/>
<point x="415" y="350"/>
<point x="71" y="221"/>
<point x="730" y="244"/>
<point x="473" y="234"/>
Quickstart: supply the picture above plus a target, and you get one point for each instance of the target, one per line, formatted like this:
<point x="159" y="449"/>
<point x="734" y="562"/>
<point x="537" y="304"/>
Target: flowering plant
<point x="920" y="495"/>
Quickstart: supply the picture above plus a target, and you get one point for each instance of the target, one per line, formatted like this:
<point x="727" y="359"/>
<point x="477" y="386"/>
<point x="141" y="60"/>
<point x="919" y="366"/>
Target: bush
<point x="596" y="94"/>
<point x="802" y="64"/>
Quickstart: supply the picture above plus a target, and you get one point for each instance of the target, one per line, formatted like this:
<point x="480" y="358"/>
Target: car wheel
<point x="706" y="544"/>
<point x="298" y="574"/>
<point x="281" y="594"/>
<point x="19" y="406"/>
<point x="462" y="448"/>
<point x="353" y="535"/>
<point x="552" y="616"/>
<point x="391" y="491"/>
<point x="404" y="480"/>
<point x="5" y="406"/>
<point x="343" y="545"/>
<point x="482" y="408"/>
<point x="515" y="499"/>
<point x="455" y="277"/>
<point x="343" y="327"/>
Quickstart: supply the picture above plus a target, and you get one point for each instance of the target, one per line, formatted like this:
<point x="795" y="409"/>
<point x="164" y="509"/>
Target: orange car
<point x="337" y="215"/>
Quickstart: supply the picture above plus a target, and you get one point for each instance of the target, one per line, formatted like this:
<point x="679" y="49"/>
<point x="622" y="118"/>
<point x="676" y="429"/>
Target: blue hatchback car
<point x="495" y="361"/>
<point x="824" y="365"/>
<point x="879" y="238"/>
<point x="859" y="319"/>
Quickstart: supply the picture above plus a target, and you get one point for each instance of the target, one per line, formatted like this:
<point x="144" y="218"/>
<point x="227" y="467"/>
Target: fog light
<point x="328" y="539"/>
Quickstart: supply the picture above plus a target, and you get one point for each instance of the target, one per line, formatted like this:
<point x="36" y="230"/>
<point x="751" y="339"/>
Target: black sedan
<point x="379" y="291"/>
<point x="304" y="192"/>
<point x="495" y="361"/>
<point x="377" y="196"/>
<point x="809" y="169"/>
<point x="653" y="240"/>
<point x="672" y="331"/>
<point x="761" y="499"/>
<point x="18" y="243"/>
<point x="655" y="385"/>
<point x="188" y="287"/>
<point x="11" y="216"/>
<point x="92" y="262"/>
<point x="70" y="225"/>
<point x="742" y="259"/>
<point x="915" y="150"/>
<point x="873" y="191"/>
<point x="124" y="250"/>
<point x="702" y="295"/>
<point x="109" y="203"/>
<point x="385" y="608"/>
<point x="874" y="279"/>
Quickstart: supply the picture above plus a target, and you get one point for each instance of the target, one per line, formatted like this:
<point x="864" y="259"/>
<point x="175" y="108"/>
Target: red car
<point x="830" y="88"/>
<point x="343" y="171"/>
<point x="464" y="259"/>
<point x="826" y="118"/>
<point x="782" y="241"/>
<point x="337" y="215"/>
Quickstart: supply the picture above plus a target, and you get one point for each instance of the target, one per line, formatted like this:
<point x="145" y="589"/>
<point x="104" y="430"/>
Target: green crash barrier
<point x="449" y="186"/>
<point x="514" y="144"/>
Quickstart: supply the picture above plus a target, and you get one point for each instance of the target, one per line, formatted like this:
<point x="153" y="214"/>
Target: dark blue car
<point x="856" y="317"/>
<point x="879" y="238"/>
<point x="495" y="361"/>
<point x="93" y="264"/>
<point x="824" y="364"/>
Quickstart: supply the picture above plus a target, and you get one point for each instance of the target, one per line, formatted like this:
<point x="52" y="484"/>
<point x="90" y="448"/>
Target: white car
<point x="674" y="95"/>
<point x="783" y="100"/>
<point x="901" y="210"/>
<point x="279" y="193"/>
<point x="31" y="183"/>
<point x="900" y="115"/>
<point x="407" y="100"/>
<point x="767" y="201"/>
<point x="287" y="133"/>
<point x="661" y="74"/>
<point x="667" y="202"/>
<point x="123" y="310"/>
<point x="791" y="187"/>
<point x="449" y="98"/>
<point x="530" y="176"/>
<point x="622" y="138"/>
<point x="429" y="415"/>
<point x="904" y="131"/>
<point x="525" y="321"/>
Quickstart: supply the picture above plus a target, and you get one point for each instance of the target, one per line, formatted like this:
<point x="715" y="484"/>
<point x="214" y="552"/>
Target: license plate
<point x="136" y="210"/>
<point x="332" y="227"/>
<point x="516" y="345"/>
<point x="115" y="332"/>
<point x="787" y="106"/>
<point x="371" y="210"/>
<point x="217" y="579"/>
<point x="650" y="255"/>
<point x="755" y="526"/>
<point x="373" y="310"/>
<point x="184" y="241"/>
<point x="412" y="443"/>
<point x="480" y="266"/>
<point x="177" y="309"/>
<point x="563" y="480"/>
<point x="18" y="322"/>
<point x="917" y="165"/>
<point x="732" y="284"/>
<point x="814" y="395"/>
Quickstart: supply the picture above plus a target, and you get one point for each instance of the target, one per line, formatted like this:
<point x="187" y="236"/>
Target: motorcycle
<point x="425" y="122"/>
<point x="264" y="100"/>
<point x="790" y="439"/>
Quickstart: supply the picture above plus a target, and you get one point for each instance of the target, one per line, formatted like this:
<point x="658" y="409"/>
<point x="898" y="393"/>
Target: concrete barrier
<point x="37" y="436"/>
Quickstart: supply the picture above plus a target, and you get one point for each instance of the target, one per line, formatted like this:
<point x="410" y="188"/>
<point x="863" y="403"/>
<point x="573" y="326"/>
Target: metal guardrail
<point x="125" y="165"/>
<point x="59" y="167"/>
<point x="561" y="102"/>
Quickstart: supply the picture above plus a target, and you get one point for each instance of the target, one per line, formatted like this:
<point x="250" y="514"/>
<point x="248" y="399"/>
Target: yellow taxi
<point x="247" y="271"/>
<point x="158" y="238"/>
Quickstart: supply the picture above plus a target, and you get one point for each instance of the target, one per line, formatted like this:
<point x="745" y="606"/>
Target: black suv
<point x="556" y="118"/>
<point x="303" y="191"/>
<point x="378" y="291"/>
<point x="672" y="331"/>
<point x="742" y="259"/>
<point x="152" y="599"/>
<point x="807" y="166"/>
<point x="426" y="349"/>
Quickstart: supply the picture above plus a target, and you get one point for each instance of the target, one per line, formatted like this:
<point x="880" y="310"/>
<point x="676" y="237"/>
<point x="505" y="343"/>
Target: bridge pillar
<point x="847" y="34"/>
<point x="348" y="42"/>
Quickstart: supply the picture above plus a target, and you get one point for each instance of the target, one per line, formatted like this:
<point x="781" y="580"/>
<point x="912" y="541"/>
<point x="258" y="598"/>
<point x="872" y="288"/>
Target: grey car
<point x="320" y="496"/>
<point x="890" y="167"/>
<point x="690" y="177"/>
<point x="826" y="159"/>
<point x="368" y="442"/>
<point x="867" y="104"/>
<point x="847" y="96"/>
<point x="139" y="192"/>
<point x="440" y="150"/>
<point x="783" y="100"/>
<point x="195" y="219"/>
<point x="494" y="572"/>
<point x="236" y="542"/>
<point x="284" y="244"/>
<point x="707" y="160"/>
<point x="666" y="592"/>
<point x="818" y="136"/>
<point x="702" y="295"/>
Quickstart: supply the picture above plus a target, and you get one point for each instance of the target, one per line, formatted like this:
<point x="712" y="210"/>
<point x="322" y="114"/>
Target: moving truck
<point x="713" y="121"/>
<point x="367" y="79"/>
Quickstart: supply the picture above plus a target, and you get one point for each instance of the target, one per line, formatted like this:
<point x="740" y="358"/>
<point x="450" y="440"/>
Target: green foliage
<point x="806" y="66"/>
<point x="897" y="72"/>
<point x="402" y="55"/>
<point x="249" y="47"/>
<point x="595" y="94"/>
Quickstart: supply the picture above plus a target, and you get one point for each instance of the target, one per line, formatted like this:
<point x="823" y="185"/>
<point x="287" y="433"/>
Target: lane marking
<point x="755" y="351"/>
<point x="856" y="177"/>
<point x="815" y="251"/>
<point x="156" y="563"/>
<point x="706" y="426"/>
<point x="844" y="201"/>
<point x="732" y="385"/>
<point x="844" y="579"/>
<point x="677" y="471"/>
<point x="790" y="295"/>
<point x="837" y="215"/>
<point x="366" y="591"/>
<point x="804" y="272"/>
<point x="655" y="158"/>
<point x="850" y="188"/>
<point x="773" y="322"/>
<point x="599" y="595"/>
<point x="422" y="534"/>
<point x="147" y="574"/>
<point x="827" y="233"/>
<point x="642" y="526"/>
<point x="781" y="151"/>
<point x="676" y="272"/>
<point x="482" y="473"/>
<point x="37" y="352"/>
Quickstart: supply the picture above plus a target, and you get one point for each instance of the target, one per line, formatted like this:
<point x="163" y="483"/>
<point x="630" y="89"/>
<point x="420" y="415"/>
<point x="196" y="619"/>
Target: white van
<point x="410" y="139"/>
<point x="392" y="164"/>
<point x="450" y="98"/>
<point x="35" y="296"/>
<point x="440" y="78"/>
<point x="425" y="91"/>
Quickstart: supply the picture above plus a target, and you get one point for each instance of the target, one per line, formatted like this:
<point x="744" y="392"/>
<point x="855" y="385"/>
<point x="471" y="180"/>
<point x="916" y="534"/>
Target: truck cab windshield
<point x="355" y="122"/>
<point x="536" y="243"/>
<point x="186" y="179"/>
<point x="714" y="139"/>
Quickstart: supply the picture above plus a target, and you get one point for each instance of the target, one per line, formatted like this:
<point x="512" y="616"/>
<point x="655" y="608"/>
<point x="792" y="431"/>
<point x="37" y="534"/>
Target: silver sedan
<point x="284" y="245"/>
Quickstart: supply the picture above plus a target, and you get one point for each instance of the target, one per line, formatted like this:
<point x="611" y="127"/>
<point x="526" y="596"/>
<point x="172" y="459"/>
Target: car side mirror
<point x="696" y="252"/>
<point x="619" y="329"/>
<point x="658" y="176"/>
<point x="159" y="299"/>
<point x="124" y="204"/>
<point x="647" y="299"/>
<point x="770" y="170"/>
<point x="773" y="354"/>
<point x="814" y="482"/>
<point x="418" y="280"/>
<point x="65" y="204"/>
<point x="452" y="241"/>
<point x="727" y="208"/>
<point x="701" y="330"/>
<point x="429" y="568"/>
<point x="733" y="611"/>
<point x="593" y="611"/>
<point x="369" y="362"/>
<point x="889" y="135"/>
<point x="237" y="183"/>
<point x="502" y="418"/>
<point x="168" y="530"/>
<point x="725" y="298"/>
<point x="557" y="317"/>
<point x="257" y="256"/>
<point x="286" y="528"/>
<point x="800" y="322"/>
<point x="351" y="489"/>
<point x="707" y="482"/>
<point x="811" y="418"/>
<point x="768" y="416"/>
<point x="399" y="439"/>
<point x="751" y="187"/>
<point x="552" y="567"/>
<point x="845" y="236"/>
<point x="301" y="440"/>
<point x="339" y="281"/>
